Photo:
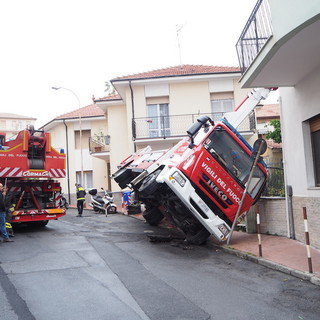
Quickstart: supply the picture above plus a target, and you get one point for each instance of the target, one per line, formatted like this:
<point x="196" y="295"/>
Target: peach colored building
<point x="156" y="108"/>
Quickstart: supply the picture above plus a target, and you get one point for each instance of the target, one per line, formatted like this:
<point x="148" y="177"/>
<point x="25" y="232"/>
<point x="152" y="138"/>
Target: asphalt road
<point x="98" y="267"/>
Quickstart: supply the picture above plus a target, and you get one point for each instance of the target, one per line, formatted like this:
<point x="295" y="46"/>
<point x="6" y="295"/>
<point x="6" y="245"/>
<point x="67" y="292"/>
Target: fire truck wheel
<point x="149" y="185"/>
<point x="153" y="216"/>
<point x="198" y="238"/>
<point x="39" y="224"/>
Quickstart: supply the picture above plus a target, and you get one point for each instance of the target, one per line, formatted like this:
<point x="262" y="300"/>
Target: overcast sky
<point x="80" y="44"/>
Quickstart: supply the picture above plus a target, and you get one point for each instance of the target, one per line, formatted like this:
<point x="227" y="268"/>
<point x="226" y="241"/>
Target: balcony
<point x="163" y="127"/>
<point x="99" y="147"/>
<point x="255" y="34"/>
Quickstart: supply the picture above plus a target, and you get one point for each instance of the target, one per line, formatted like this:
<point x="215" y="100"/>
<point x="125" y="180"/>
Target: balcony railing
<point x="254" y="35"/>
<point x="100" y="144"/>
<point x="176" y="126"/>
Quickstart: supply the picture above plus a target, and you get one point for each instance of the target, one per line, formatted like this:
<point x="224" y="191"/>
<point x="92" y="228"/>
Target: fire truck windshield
<point x="234" y="160"/>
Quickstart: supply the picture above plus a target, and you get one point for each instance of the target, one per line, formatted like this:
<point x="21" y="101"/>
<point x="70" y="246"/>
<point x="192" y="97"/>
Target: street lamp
<point x="80" y="128"/>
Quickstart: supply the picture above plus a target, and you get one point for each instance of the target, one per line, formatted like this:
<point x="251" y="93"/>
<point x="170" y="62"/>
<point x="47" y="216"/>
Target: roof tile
<point x="268" y="111"/>
<point x="89" y="111"/>
<point x="181" y="70"/>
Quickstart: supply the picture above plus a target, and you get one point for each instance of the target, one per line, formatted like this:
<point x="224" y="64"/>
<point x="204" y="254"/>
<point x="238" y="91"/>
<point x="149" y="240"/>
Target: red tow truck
<point x="206" y="181"/>
<point x="29" y="167"/>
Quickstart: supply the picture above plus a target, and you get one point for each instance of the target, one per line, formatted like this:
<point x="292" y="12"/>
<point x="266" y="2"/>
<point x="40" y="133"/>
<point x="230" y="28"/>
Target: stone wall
<point x="312" y="205"/>
<point x="273" y="217"/>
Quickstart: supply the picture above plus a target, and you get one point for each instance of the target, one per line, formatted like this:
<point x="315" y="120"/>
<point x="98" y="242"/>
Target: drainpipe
<point x="67" y="146"/>
<point x="133" y="124"/>
<point x="290" y="213"/>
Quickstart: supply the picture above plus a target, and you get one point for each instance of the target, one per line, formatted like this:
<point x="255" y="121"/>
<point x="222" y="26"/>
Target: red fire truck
<point x="206" y="181"/>
<point x="29" y="167"/>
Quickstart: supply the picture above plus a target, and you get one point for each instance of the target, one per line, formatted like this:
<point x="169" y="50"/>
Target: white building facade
<point x="285" y="54"/>
<point x="11" y="123"/>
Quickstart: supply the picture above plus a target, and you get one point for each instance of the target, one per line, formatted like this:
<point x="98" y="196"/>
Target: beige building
<point x="90" y="123"/>
<point x="156" y="108"/>
<point x="284" y="53"/>
<point x="11" y="123"/>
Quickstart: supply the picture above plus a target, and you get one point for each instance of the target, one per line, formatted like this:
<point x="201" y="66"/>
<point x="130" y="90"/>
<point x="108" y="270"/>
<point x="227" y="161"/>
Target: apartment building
<point x="156" y="108"/>
<point x="11" y="123"/>
<point x="279" y="47"/>
<point x="81" y="133"/>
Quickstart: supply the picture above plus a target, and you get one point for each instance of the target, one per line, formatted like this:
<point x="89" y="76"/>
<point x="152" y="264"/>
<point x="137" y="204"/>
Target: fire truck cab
<point x="204" y="183"/>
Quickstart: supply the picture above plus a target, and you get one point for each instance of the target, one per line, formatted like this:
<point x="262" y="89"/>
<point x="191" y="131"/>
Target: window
<point x="315" y="141"/>
<point x="234" y="160"/>
<point x="20" y="125"/>
<point x="220" y="106"/>
<point x="87" y="177"/>
<point x="3" y="125"/>
<point x="14" y="125"/>
<point x="85" y="139"/>
<point x="158" y="119"/>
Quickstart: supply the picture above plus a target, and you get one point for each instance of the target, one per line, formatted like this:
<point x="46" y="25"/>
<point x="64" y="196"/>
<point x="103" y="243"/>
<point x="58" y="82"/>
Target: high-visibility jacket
<point x="81" y="192"/>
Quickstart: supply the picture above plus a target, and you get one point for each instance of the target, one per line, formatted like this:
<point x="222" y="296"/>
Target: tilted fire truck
<point x="29" y="167"/>
<point x="206" y="181"/>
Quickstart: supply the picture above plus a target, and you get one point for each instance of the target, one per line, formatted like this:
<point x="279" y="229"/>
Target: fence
<point x="275" y="183"/>
<point x="177" y="125"/>
<point x="254" y="35"/>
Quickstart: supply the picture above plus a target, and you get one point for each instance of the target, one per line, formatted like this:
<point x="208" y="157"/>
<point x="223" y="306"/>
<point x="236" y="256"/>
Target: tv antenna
<point x="178" y="29"/>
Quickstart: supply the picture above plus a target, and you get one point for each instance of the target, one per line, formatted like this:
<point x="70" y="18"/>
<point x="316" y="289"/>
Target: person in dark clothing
<point x="3" y="215"/>
<point x="81" y="193"/>
<point x="10" y="206"/>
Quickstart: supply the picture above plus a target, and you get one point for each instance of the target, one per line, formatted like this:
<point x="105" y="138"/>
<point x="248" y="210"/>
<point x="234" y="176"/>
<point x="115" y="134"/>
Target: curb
<point x="273" y="265"/>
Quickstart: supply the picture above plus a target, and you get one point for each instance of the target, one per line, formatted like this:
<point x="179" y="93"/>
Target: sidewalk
<point x="278" y="253"/>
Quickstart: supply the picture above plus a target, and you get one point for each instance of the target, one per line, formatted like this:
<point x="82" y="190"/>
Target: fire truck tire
<point x="149" y="185"/>
<point x="153" y="216"/>
<point x="198" y="238"/>
<point x="39" y="224"/>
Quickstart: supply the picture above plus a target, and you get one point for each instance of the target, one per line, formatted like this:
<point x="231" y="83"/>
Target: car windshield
<point x="234" y="159"/>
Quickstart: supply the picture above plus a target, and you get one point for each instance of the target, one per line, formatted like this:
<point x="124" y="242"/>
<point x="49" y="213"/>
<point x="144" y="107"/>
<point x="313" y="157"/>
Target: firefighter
<point x="8" y="220"/>
<point x="81" y="193"/>
<point x="3" y="215"/>
<point x="10" y="206"/>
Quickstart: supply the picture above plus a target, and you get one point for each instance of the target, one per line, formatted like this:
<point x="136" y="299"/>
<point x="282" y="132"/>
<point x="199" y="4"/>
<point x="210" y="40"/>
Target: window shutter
<point x="315" y="123"/>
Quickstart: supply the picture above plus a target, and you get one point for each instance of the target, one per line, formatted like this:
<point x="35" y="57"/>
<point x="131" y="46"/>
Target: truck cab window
<point x="233" y="159"/>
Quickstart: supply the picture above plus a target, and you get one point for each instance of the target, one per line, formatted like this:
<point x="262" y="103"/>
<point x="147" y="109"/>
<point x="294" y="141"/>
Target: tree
<point x="109" y="88"/>
<point x="275" y="135"/>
